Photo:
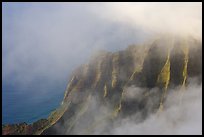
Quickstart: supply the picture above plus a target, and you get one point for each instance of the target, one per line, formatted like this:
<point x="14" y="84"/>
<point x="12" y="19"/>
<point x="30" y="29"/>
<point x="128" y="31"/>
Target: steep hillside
<point x="97" y="92"/>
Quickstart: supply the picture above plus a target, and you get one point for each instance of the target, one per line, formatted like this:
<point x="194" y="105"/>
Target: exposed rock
<point x="164" y="63"/>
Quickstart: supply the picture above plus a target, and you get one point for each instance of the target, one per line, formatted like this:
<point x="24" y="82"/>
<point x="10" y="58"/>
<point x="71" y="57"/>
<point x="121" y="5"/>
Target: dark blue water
<point x="30" y="104"/>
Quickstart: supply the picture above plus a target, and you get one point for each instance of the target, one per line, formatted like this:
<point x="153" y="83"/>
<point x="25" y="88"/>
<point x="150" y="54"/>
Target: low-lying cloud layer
<point x="182" y="115"/>
<point x="178" y="118"/>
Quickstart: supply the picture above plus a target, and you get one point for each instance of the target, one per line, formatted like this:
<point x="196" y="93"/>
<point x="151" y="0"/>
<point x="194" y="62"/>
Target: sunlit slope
<point x="96" y="93"/>
<point x="163" y="63"/>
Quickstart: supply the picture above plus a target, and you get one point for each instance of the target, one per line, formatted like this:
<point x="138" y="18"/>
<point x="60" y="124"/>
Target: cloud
<point x="50" y="40"/>
<point x="177" y="118"/>
<point x="46" y="39"/>
<point x="43" y="43"/>
<point x="160" y="18"/>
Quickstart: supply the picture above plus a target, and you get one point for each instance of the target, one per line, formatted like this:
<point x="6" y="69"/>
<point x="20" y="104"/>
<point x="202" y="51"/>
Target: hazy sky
<point x="44" y="42"/>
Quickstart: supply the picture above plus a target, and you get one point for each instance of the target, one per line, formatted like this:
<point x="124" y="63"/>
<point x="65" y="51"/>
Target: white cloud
<point x="49" y="40"/>
<point x="184" y="118"/>
<point x="175" y="18"/>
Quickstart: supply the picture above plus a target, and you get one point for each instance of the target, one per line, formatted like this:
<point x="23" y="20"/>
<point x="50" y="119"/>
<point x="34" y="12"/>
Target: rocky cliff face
<point x="99" y="88"/>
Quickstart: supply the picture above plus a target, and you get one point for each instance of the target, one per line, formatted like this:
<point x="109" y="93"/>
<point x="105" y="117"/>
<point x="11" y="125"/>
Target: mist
<point x="178" y="118"/>
<point x="178" y="19"/>
<point x="182" y="115"/>
<point x="51" y="40"/>
<point x="44" y="42"/>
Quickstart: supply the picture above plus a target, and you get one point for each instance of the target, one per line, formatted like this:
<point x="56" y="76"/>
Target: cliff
<point x="164" y="63"/>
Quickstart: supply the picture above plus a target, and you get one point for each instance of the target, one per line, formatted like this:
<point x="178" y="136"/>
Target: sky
<point x="44" y="42"/>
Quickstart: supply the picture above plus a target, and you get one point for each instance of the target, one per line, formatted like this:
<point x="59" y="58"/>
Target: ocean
<point x="23" y="105"/>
